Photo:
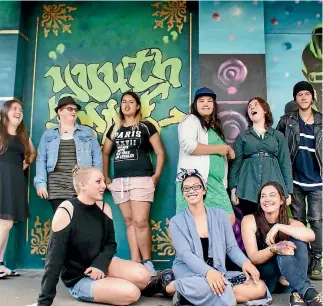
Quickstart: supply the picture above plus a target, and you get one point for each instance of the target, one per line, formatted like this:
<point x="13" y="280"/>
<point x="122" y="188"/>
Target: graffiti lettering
<point x="146" y="74"/>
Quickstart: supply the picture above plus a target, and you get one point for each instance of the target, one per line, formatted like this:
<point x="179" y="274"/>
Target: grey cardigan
<point x="187" y="243"/>
<point x="189" y="252"/>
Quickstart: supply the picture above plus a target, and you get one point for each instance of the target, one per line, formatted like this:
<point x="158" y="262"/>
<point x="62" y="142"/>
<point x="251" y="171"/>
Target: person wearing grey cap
<point x="60" y="149"/>
<point x="303" y="130"/>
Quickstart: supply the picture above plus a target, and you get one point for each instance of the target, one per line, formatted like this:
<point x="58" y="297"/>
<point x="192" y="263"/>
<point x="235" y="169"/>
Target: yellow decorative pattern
<point x="56" y="17"/>
<point x="162" y="244"/>
<point x="40" y="237"/>
<point x="171" y="12"/>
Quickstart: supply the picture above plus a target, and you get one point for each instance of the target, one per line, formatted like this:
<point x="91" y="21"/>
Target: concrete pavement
<point x="24" y="290"/>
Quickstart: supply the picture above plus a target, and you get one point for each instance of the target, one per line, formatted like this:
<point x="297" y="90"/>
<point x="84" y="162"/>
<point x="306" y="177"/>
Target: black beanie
<point x="303" y="85"/>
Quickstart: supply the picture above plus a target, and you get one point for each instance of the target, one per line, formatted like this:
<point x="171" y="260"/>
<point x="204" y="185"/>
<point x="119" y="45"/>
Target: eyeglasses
<point x="195" y="187"/>
<point x="71" y="109"/>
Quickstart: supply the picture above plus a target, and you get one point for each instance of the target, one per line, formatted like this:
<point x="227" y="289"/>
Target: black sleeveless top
<point x="205" y="247"/>
<point x="88" y="241"/>
<point x="261" y="241"/>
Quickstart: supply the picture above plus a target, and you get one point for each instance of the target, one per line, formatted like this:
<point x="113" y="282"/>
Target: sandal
<point x="13" y="273"/>
<point x="3" y="275"/>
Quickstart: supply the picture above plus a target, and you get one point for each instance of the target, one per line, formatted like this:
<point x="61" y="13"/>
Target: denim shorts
<point x="83" y="290"/>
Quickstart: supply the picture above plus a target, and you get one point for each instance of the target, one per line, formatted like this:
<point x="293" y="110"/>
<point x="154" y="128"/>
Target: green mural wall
<point x="95" y="51"/>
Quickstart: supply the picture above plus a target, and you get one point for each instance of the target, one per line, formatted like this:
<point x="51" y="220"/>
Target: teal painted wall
<point x="97" y="50"/>
<point x="12" y="78"/>
<point x="101" y="50"/>
<point x="10" y="15"/>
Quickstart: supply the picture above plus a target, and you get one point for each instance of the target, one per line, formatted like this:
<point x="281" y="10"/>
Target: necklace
<point x="65" y="131"/>
<point x="305" y="121"/>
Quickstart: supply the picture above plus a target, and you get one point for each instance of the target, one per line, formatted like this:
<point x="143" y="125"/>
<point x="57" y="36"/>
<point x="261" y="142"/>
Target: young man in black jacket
<point x="303" y="130"/>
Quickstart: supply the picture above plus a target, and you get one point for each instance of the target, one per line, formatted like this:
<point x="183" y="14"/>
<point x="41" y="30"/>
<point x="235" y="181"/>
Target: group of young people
<point x="266" y="170"/>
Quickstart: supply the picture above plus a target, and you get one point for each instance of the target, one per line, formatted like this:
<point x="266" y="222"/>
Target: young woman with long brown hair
<point x="261" y="156"/>
<point x="277" y="246"/>
<point x="134" y="181"/>
<point x="16" y="154"/>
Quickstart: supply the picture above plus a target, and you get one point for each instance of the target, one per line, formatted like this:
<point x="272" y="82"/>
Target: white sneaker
<point x="150" y="267"/>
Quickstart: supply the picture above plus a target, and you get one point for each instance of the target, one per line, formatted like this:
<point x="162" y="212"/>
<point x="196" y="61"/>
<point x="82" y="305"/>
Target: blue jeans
<point x="292" y="268"/>
<point x="314" y="213"/>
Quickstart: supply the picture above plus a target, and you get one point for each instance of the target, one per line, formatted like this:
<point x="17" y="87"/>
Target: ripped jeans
<point x="292" y="268"/>
<point x="313" y="214"/>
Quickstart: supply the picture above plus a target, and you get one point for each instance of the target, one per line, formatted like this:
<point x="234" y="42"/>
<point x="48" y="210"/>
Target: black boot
<point x="159" y="283"/>
<point x="310" y="262"/>
<point x="316" y="268"/>
<point x="179" y="300"/>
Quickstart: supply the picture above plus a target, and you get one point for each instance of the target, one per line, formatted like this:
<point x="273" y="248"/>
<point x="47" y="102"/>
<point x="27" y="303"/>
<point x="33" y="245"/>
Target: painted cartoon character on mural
<point x="312" y="58"/>
<point x="312" y="70"/>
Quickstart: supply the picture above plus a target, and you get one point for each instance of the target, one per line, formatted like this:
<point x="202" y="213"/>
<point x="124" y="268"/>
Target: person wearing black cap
<point x="201" y="143"/>
<point x="60" y="149"/>
<point x="303" y="130"/>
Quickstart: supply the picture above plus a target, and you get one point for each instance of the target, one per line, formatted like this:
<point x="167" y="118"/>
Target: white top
<point x="190" y="134"/>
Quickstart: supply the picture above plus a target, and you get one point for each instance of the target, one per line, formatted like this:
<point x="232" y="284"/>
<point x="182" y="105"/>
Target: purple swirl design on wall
<point x="232" y="123"/>
<point x="230" y="75"/>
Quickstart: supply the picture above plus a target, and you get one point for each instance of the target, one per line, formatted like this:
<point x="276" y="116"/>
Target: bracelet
<point x="273" y="250"/>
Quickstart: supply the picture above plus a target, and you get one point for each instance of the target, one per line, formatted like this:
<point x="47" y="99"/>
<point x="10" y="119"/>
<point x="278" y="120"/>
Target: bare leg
<point x="131" y="231"/>
<point x="5" y="227"/>
<point x="232" y="218"/>
<point x="140" y="214"/>
<point x="170" y="288"/>
<point x="115" y="291"/>
<point x="249" y="291"/>
<point x="3" y="247"/>
<point x="131" y="271"/>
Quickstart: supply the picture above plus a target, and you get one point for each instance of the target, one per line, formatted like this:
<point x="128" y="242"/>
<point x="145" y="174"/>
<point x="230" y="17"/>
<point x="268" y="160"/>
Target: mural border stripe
<point x="190" y="86"/>
<point x="32" y="113"/>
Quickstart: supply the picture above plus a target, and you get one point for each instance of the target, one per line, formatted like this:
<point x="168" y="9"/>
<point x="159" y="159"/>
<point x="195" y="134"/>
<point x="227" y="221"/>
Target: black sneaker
<point x="167" y="277"/>
<point x="296" y="300"/>
<point x="159" y="283"/>
<point x="316" y="268"/>
<point x="179" y="300"/>
<point x="310" y="262"/>
<point x="317" y="301"/>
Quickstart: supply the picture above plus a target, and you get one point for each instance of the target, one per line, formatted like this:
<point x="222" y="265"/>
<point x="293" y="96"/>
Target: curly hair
<point x="268" y="114"/>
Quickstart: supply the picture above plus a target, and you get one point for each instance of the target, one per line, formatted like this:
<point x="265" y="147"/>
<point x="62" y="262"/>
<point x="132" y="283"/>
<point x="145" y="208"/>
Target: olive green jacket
<point x="249" y="174"/>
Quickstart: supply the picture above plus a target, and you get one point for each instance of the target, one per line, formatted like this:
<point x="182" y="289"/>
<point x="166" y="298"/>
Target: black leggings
<point x="247" y="207"/>
<point x="55" y="203"/>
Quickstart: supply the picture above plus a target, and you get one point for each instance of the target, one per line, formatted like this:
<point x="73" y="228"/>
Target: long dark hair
<point x="214" y="123"/>
<point x="263" y="226"/>
<point x="268" y="114"/>
<point x="121" y="118"/>
<point x="137" y="99"/>
<point x="21" y="129"/>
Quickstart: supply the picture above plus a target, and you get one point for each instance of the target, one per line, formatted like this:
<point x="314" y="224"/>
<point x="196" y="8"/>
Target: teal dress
<point x="216" y="195"/>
